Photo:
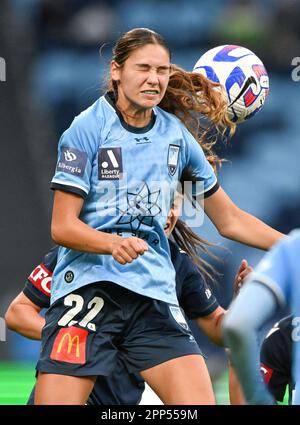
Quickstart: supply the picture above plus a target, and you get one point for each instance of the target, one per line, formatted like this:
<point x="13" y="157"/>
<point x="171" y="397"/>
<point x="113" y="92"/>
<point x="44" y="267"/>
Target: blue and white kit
<point x="127" y="177"/>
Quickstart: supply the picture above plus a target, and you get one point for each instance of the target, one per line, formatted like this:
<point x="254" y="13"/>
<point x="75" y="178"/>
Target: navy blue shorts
<point x="86" y="331"/>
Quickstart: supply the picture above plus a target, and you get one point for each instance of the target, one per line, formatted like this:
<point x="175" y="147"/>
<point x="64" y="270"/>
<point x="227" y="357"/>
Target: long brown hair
<point x="187" y="239"/>
<point x="189" y="95"/>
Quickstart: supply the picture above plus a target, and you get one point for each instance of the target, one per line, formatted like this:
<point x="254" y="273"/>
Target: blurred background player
<point x="275" y="365"/>
<point x="273" y="284"/>
<point x="276" y="361"/>
<point x="195" y="298"/>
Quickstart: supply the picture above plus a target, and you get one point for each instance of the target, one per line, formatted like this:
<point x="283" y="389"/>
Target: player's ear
<point x="115" y="70"/>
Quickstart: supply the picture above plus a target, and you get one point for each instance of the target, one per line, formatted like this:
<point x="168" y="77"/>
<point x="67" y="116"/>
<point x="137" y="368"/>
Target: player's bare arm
<point x="234" y="223"/>
<point x="22" y="316"/>
<point x="68" y="230"/>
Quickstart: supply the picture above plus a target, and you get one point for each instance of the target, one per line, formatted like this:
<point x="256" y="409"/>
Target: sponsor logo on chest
<point x="110" y="165"/>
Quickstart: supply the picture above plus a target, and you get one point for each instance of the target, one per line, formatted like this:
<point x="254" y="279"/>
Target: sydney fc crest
<point x="173" y="156"/>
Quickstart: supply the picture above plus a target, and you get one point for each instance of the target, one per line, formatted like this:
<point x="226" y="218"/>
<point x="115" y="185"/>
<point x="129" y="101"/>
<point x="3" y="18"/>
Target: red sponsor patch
<point x="267" y="372"/>
<point x="41" y="278"/>
<point x="70" y="345"/>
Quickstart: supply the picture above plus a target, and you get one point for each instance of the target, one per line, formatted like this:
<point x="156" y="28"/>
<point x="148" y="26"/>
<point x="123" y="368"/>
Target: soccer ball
<point x="242" y="74"/>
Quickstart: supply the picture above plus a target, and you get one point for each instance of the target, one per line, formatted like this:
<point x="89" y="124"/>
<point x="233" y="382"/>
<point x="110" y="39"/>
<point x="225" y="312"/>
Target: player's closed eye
<point x="163" y="70"/>
<point x="143" y="68"/>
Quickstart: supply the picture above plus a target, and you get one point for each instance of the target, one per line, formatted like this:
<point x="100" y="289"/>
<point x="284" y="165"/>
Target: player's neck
<point x="134" y="116"/>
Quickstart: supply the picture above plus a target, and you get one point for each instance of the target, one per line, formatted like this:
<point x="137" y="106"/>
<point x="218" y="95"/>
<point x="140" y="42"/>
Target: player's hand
<point x="125" y="250"/>
<point x="239" y="279"/>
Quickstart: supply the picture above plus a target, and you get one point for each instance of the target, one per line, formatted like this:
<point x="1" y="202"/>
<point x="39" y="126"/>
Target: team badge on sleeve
<point x="70" y="345"/>
<point x="173" y="155"/>
<point x="72" y="161"/>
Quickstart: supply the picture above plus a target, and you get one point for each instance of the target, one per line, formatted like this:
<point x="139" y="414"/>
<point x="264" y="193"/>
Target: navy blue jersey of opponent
<point x="276" y="359"/>
<point x="121" y="387"/>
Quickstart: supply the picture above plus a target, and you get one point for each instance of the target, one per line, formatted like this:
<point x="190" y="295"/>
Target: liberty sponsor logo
<point x="2" y="70"/>
<point x="70" y="345"/>
<point x="2" y="330"/>
<point x="110" y="165"/>
<point x="173" y="155"/>
<point x="41" y="278"/>
<point x="72" y="161"/>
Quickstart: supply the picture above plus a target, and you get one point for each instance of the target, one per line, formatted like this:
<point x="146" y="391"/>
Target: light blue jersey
<point x="279" y="271"/>
<point x="127" y="177"/>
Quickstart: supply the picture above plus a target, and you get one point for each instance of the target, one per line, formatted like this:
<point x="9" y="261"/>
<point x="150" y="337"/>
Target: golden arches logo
<point x="70" y="343"/>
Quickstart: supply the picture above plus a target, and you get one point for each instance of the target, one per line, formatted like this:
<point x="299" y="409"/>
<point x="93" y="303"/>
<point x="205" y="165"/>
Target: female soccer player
<point x="117" y="171"/>
<point x="274" y="283"/>
<point x="194" y="295"/>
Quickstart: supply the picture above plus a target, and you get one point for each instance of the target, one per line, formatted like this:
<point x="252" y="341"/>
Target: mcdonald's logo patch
<point x="70" y="345"/>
